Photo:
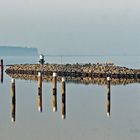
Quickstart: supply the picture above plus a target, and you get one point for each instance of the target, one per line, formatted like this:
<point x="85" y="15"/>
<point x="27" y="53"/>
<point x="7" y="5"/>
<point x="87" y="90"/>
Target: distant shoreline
<point x="18" y="51"/>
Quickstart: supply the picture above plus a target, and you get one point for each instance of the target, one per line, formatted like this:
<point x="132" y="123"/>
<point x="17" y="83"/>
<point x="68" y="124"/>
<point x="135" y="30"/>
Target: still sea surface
<point x="86" y="106"/>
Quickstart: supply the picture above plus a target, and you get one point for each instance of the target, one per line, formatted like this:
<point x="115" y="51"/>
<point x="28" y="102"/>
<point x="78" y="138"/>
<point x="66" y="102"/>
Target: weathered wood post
<point x="1" y="76"/>
<point x="13" y="101"/>
<point x="54" y="88"/>
<point x="108" y="96"/>
<point x="39" y="91"/>
<point x="2" y="67"/>
<point x="63" y="98"/>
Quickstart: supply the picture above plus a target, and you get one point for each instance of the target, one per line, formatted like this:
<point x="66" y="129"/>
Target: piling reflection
<point x="40" y="92"/>
<point x="54" y="95"/>
<point x="13" y="101"/>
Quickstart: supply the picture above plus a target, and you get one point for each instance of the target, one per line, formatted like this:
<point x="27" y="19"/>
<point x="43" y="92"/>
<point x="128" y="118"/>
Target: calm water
<point x="86" y="107"/>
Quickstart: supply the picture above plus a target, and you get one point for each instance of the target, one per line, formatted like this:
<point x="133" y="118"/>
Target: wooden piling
<point x="54" y="88"/>
<point x="2" y="67"/>
<point x="13" y="101"/>
<point x="39" y="91"/>
<point x="1" y="76"/>
<point x="108" y="96"/>
<point x="63" y="98"/>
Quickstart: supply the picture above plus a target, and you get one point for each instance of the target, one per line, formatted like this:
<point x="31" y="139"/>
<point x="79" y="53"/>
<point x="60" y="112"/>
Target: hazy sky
<point x="72" y="26"/>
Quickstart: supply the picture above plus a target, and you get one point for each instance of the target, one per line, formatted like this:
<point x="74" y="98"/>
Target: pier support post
<point x="54" y="88"/>
<point x="108" y="96"/>
<point x="63" y="98"/>
<point x="39" y="91"/>
<point x="13" y="101"/>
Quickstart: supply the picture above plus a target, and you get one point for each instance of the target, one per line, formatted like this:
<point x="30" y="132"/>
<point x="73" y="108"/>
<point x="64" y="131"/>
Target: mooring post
<point x="13" y="101"/>
<point x="108" y="96"/>
<point x="63" y="98"/>
<point x="2" y="67"/>
<point x="39" y="91"/>
<point x="54" y="88"/>
<point x="1" y="76"/>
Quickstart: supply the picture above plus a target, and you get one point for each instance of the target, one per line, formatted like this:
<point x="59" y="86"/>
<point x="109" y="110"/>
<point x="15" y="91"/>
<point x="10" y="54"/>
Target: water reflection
<point x="79" y="80"/>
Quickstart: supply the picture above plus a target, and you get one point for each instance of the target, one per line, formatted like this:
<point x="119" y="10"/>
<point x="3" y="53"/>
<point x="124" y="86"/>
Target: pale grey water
<point x="85" y="107"/>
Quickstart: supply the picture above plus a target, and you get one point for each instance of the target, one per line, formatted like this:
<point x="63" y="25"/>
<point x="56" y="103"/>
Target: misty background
<point x="72" y="26"/>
